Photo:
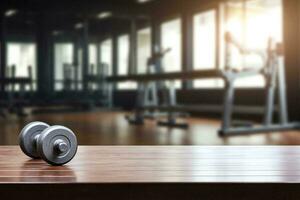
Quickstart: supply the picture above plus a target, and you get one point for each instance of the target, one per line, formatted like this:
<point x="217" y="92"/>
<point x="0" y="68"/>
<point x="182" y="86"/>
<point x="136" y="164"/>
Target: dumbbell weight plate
<point x="47" y="145"/>
<point x="27" y="138"/>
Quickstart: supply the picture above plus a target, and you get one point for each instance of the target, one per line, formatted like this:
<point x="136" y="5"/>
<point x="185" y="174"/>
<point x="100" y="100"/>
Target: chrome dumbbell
<point x="57" y="145"/>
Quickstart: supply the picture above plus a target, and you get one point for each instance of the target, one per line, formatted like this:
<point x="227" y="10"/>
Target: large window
<point x="80" y="68"/>
<point x="205" y="53"/>
<point x="22" y="55"/>
<point x="93" y="65"/>
<point x="63" y="55"/>
<point x="92" y="59"/>
<point x="106" y="54"/>
<point x="123" y="61"/>
<point x="252" y="23"/>
<point x="144" y="49"/>
<point x="171" y="38"/>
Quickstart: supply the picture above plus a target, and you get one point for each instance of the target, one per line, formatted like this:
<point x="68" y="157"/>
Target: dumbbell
<point x="57" y="145"/>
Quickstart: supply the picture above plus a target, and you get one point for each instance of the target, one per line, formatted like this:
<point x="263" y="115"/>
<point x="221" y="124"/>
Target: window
<point x="144" y="49"/>
<point x="63" y="55"/>
<point x="123" y="61"/>
<point x="93" y="64"/>
<point x="22" y="55"/>
<point x="252" y="23"/>
<point x="92" y="59"/>
<point x="80" y="68"/>
<point x="106" y="54"/>
<point x="171" y="38"/>
<point x="205" y="46"/>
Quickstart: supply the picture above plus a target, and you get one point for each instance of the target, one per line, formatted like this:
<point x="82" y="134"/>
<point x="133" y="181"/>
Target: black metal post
<point x="43" y="57"/>
<point x="2" y="49"/>
<point x="85" y="53"/>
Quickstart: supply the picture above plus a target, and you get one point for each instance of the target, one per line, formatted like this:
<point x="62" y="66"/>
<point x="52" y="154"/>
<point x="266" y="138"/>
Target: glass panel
<point x="205" y="46"/>
<point x="92" y="59"/>
<point x="144" y="49"/>
<point x="22" y="55"/>
<point x="80" y="63"/>
<point x="252" y="23"/>
<point x="123" y="61"/>
<point x="106" y="54"/>
<point x="171" y="38"/>
<point x="80" y="68"/>
<point x="63" y="55"/>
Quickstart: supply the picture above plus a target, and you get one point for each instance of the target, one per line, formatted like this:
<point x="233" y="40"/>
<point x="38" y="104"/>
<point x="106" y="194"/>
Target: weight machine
<point x="69" y="77"/>
<point x="16" y="96"/>
<point x="274" y="75"/>
<point x="97" y="84"/>
<point x="148" y="95"/>
<point x="272" y="71"/>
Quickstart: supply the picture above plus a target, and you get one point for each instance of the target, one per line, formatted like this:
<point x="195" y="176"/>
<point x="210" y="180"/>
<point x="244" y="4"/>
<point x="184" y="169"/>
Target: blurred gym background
<point x="56" y="56"/>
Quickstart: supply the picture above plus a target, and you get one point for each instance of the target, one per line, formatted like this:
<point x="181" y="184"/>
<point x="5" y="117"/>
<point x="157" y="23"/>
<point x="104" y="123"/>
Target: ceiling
<point x="68" y="6"/>
<point x="65" y="13"/>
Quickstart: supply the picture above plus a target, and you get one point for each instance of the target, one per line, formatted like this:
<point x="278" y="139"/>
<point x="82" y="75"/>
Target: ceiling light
<point x="143" y="1"/>
<point x="78" y="25"/>
<point x="104" y="15"/>
<point x="55" y="33"/>
<point x="10" y="12"/>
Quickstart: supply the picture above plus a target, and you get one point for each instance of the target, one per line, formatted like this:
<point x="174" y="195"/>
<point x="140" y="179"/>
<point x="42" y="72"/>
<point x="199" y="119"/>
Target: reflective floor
<point x="111" y="128"/>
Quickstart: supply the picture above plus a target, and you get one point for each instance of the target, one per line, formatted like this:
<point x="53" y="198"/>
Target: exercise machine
<point x="274" y="75"/>
<point x="271" y="70"/>
<point x="98" y="87"/>
<point x="69" y="78"/>
<point x="16" y="95"/>
<point x="148" y="96"/>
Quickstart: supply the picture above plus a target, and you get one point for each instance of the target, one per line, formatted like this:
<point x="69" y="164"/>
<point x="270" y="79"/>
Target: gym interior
<point x="123" y="73"/>
<point x="73" y="52"/>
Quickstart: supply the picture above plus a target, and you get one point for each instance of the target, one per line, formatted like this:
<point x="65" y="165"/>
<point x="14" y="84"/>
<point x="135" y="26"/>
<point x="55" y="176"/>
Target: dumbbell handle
<point x="59" y="145"/>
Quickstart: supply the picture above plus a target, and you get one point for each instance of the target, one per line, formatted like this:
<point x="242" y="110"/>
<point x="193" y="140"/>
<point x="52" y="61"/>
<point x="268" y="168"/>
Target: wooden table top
<point x="158" y="164"/>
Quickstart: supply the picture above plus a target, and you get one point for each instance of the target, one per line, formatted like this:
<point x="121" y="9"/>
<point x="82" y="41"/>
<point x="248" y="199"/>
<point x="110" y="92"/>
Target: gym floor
<point x="111" y="128"/>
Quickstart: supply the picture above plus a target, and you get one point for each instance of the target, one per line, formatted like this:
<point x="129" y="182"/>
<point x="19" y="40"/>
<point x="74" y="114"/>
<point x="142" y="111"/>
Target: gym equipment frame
<point x="103" y="89"/>
<point x="272" y="71"/>
<point x="149" y="93"/>
<point x="16" y="98"/>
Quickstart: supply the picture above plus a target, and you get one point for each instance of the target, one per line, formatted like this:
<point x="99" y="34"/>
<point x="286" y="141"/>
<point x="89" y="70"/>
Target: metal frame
<point x="16" y="98"/>
<point x="103" y="88"/>
<point x="274" y="75"/>
<point x="272" y="71"/>
<point x="148" y="95"/>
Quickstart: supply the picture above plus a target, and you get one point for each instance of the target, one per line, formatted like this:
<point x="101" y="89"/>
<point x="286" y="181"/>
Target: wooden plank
<point x="156" y="172"/>
<point x="158" y="164"/>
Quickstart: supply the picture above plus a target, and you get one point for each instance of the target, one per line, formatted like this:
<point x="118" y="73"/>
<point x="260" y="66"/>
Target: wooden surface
<point x="160" y="164"/>
<point x="111" y="128"/>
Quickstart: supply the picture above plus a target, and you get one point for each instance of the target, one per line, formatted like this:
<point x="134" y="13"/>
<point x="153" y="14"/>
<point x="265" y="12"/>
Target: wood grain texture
<point x="111" y="128"/>
<point x="157" y="164"/>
